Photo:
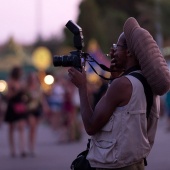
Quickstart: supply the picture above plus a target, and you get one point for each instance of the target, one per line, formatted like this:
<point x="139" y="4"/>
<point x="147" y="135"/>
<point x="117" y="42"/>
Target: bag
<point x="19" y="103"/>
<point x="19" y="108"/>
<point x="81" y="163"/>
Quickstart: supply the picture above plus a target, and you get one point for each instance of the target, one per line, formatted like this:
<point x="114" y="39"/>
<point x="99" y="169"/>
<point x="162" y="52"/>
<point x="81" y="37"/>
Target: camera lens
<point x="72" y="60"/>
<point x="68" y="61"/>
<point x="57" y="61"/>
<point x="64" y="61"/>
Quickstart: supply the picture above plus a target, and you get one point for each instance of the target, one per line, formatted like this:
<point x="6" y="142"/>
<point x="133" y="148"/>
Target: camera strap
<point x="101" y="66"/>
<point x="105" y="78"/>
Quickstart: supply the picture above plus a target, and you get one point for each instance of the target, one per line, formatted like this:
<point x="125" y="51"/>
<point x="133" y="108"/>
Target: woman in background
<point x="16" y="113"/>
<point x="36" y="106"/>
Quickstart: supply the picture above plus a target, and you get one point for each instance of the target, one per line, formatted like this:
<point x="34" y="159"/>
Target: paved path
<point x="50" y="155"/>
<point x="159" y="158"/>
<point x="53" y="156"/>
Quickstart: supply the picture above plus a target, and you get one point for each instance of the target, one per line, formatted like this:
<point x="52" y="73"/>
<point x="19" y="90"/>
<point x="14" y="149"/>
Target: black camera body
<point x="76" y="58"/>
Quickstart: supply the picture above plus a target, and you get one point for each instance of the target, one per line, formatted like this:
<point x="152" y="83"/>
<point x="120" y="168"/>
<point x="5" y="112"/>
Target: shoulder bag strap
<point x="147" y="90"/>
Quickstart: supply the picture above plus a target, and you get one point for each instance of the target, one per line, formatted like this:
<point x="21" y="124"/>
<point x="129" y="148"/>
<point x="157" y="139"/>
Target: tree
<point x="103" y="20"/>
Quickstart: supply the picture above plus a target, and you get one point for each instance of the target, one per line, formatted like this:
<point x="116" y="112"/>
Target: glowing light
<point x="41" y="58"/>
<point x="3" y="85"/>
<point x="49" y="79"/>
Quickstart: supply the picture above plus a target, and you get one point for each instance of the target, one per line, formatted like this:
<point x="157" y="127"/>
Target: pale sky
<point x="23" y="19"/>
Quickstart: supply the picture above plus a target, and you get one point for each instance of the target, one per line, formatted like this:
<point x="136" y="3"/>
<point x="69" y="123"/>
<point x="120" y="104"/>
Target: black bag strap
<point x="86" y="151"/>
<point x="148" y="94"/>
<point x="147" y="90"/>
<point x="88" y="144"/>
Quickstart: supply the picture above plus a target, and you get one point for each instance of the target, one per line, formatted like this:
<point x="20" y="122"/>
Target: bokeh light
<point x="49" y="79"/>
<point x="3" y="85"/>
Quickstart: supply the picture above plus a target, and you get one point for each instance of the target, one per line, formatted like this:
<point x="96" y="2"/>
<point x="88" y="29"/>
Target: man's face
<point x="119" y="54"/>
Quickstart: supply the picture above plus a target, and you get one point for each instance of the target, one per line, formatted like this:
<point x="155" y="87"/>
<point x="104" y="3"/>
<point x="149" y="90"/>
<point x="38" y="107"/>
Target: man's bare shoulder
<point x="121" y="88"/>
<point x="121" y="82"/>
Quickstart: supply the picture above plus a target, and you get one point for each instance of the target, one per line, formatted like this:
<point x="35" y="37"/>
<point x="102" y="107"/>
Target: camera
<point x="76" y="58"/>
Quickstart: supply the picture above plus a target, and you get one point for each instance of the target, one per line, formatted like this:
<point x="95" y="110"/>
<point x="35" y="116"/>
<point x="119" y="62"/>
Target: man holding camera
<point x="122" y="134"/>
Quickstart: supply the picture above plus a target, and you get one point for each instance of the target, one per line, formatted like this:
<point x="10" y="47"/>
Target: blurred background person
<point x="64" y="107"/>
<point x="103" y="85"/>
<point x="1" y="116"/>
<point x="16" y="113"/>
<point x="167" y="110"/>
<point x="37" y="105"/>
<point x="55" y="98"/>
<point x="2" y="108"/>
<point x="71" y="122"/>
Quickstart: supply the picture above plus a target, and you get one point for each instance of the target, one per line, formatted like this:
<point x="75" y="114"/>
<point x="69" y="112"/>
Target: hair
<point x="16" y="72"/>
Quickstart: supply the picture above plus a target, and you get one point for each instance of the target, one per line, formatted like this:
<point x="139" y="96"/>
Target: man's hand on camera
<point x="77" y="78"/>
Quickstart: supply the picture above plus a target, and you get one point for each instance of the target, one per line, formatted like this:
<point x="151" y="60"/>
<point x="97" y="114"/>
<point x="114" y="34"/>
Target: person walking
<point x="16" y="112"/>
<point x="122" y="135"/>
<point x="37" y="105"/>
<point x="55" y="100"/>
<point x="167" y="110"/>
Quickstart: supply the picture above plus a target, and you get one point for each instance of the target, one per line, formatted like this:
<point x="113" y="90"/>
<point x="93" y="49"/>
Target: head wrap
<point x="153" y="65"/>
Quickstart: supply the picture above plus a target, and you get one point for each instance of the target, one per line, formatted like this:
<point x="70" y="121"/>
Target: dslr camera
<point x="76" y="58"/>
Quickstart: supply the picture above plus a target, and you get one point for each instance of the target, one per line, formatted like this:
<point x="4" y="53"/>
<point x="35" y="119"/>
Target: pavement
<point x="51" y="155"/>
<point x="159" y="157"/>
